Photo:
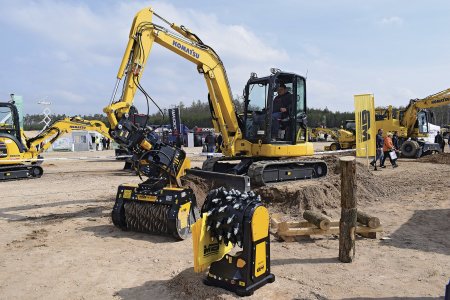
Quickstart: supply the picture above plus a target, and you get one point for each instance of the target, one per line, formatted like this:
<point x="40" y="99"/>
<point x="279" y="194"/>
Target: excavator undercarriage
<point x="262" y="170"/>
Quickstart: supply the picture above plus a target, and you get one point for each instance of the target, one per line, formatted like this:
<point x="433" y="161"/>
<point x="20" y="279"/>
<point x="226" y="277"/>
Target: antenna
<point x="47" y="111"/>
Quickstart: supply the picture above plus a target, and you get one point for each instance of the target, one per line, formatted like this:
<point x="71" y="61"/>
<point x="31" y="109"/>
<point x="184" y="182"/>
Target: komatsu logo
<point x="77" y="127"/>
<point x="440" y="100"/>
<point x="210" y="249"/>
<point x="191" y="52"/>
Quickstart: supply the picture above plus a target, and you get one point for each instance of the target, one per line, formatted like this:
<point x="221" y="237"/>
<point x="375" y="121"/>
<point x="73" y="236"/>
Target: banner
<point x="365" y="125"/>
<point x="175" y="121"/>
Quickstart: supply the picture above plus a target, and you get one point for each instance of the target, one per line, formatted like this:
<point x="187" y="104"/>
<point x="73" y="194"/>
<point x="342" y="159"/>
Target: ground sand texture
<point x="57" y="240"/>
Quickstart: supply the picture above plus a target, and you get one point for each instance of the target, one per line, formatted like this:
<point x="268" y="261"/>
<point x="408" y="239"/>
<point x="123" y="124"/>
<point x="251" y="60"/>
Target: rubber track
<point x="256" y="170"/>
<point x="147" y="217"/>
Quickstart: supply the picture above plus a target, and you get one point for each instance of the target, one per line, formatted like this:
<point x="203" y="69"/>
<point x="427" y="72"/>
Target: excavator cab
<point x="9" y="129"/>
<point x="264" y="121"/>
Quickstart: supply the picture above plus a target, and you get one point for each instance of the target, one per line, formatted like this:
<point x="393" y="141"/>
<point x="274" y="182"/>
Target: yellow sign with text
<point x="365" y="125"/>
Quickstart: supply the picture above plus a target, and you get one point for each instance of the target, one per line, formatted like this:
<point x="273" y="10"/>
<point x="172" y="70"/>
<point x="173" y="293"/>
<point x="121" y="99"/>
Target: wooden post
<point x="317" y="219"/>
<point x="347" y="224"/>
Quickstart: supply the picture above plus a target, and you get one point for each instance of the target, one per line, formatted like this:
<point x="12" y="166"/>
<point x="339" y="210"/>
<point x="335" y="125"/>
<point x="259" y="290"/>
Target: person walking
<point x="395" y="140"/>
<point x="389" y="150"/>
<point x="210" y="142"/>
<point x="379" y="152"/>
<point x="103" y="143"/>
<point x="438" y="139"/>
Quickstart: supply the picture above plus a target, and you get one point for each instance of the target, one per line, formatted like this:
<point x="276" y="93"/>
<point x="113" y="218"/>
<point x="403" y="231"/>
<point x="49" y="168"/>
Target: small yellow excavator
<point x="345" y="137"/>
<point x="19" y="155"/>
<point x="315" y="133"/>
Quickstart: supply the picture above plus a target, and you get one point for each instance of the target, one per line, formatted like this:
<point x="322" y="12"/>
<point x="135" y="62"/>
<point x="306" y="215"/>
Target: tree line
<point x="198" y="114"/>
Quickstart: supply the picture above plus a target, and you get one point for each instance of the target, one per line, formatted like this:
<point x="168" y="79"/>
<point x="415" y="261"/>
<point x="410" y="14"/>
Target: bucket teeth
<point x="147" y="217"/>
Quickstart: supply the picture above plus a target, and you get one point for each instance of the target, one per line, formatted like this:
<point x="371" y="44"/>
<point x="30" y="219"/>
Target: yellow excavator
<point x="161" y="203"/>
<point x="345" y="137"/>
<point x="412" y="123"/>
<point x="19" y="155"/>
<point x="315" y="133"/>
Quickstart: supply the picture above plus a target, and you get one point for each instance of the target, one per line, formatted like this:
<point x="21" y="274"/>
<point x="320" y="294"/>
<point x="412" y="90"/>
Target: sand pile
<point x="322" y="194"/>
<point x="440" y="158"/>
<point x="318" y="194"/>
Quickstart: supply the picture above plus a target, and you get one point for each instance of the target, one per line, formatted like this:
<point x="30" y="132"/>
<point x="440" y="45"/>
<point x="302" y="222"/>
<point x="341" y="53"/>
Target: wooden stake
<point x="347" y="224"/>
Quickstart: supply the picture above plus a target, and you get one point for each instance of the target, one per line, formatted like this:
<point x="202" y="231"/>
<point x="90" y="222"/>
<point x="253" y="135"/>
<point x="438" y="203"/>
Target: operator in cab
<point x="281" y="103"/>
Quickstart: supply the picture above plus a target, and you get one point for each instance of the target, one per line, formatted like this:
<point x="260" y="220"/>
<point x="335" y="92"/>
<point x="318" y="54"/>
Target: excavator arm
<point x="410" y="115"/>
<point x="143" y="34"/>
<point x="47" y="137"/>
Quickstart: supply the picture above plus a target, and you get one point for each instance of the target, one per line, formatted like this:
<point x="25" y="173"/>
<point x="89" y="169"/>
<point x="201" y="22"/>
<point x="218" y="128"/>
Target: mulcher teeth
<point x="145" y="217"/>
<point x="225" y="212"/>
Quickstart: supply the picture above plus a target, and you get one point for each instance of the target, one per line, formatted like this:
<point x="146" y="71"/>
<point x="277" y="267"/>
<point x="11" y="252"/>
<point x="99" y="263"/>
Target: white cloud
<point x="391" y="21"/>
<point x="84" y="43"/>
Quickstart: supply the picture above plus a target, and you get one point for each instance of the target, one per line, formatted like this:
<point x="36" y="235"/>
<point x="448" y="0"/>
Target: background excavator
<point x="161" y="204"/>
<point x="411" y="124"/>
<point x="345" y="137"/>
<point x="316" y="134"/>
<point x="19" y="155"/>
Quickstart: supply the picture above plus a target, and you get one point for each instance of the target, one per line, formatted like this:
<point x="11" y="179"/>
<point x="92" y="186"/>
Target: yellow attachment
<point x="260" y="259"/>
<point x="206" y="249"/>
<point x="260" y="223"/>
<point x="145" y="145"/>
<point x="183" y="214"/>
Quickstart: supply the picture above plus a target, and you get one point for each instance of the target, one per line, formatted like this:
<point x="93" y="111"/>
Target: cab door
<point x="299" y="119"/>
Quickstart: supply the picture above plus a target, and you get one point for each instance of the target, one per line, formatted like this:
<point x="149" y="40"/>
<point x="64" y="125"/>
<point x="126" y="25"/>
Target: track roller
<point x="169" y="211"/>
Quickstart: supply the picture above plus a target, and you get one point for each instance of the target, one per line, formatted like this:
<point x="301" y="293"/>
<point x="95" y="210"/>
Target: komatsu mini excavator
<point x="345" y="137"/>
<point x="19" y="155"/>
<point x="161" y="204"/>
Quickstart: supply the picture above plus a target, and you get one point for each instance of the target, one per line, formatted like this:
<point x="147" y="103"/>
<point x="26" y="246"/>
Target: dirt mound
<point x="189" y="285"/>
<point x="318" y="194"/>
<point x="440" y="158"/>
<point x="322" y="194"/>
<point x="200" y="186"/>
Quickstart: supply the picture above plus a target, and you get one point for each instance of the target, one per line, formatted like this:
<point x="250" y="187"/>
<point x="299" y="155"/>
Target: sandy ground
<point x="57" y="240"/>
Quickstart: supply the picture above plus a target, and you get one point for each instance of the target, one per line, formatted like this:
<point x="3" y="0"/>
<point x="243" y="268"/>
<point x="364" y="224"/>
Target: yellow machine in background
<point x="315" y="134"/>
<point x="412" y="123"/>
<point x="15" y="146"/>
<point x="345" y="137"/>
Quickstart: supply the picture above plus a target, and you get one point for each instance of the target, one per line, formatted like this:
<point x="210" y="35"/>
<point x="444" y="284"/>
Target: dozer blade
<point x="166" y="212"/>
<point x="229" y="181"/>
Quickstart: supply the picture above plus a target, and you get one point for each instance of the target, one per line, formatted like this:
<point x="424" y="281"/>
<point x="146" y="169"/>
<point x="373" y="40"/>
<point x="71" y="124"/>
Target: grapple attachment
<point x="168" y="211"/>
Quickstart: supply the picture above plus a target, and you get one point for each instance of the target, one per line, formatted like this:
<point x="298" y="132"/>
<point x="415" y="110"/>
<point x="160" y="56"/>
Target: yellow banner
<point x="365" y="125"/>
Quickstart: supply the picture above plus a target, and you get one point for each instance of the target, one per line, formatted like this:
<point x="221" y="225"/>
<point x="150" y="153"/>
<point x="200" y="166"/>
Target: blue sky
<point x="68" y="52"/>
